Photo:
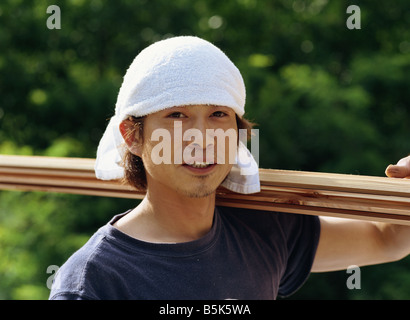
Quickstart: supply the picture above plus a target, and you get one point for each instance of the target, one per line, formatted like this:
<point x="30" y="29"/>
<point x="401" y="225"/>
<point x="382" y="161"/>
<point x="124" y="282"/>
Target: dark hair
<point x="133" y="165"/>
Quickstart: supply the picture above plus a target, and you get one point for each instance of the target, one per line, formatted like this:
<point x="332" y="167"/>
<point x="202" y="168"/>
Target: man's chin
<point x="199" y="192"/>
<point x="200" y="189"/>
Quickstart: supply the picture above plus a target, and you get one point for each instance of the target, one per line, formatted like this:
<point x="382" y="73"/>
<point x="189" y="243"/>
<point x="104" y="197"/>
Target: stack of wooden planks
<point x="328" y="194"/>
<point x="65" y="175"/>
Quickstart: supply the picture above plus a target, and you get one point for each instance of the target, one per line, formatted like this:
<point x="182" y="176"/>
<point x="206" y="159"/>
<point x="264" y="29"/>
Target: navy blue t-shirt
<point x="247" y="254"/>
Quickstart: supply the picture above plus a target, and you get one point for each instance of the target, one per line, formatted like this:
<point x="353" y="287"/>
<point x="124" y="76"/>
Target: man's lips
<point x="198" y="164"/>
<point x="199" y="167"/>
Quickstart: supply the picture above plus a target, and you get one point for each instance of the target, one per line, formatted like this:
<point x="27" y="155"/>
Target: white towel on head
<point x="175" y="72"/>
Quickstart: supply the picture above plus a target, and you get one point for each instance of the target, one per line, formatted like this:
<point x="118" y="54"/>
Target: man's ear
<point x="130" y="133"/>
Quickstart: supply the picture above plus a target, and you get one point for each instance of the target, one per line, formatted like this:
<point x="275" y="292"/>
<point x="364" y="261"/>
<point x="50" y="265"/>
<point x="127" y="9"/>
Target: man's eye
<point x="219" y="114"/>
<point x="176" y="115"/>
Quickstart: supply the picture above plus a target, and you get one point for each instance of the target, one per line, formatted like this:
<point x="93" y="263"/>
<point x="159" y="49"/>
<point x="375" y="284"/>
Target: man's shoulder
<point x="251" y="221"/>
<point x="72" y="276"/>
<point x="269" y="222"/>
<point x="255" y="216"/>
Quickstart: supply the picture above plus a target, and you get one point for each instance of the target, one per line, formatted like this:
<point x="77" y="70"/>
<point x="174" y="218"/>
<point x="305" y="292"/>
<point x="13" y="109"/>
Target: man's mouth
<point x="199" y="165"/>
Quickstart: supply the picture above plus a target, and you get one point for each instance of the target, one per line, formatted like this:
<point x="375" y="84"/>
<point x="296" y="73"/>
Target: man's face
<point x="181" y="152"/>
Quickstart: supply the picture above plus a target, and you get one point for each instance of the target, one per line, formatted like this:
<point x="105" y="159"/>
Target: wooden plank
<point x="329" y="199"/>
<point x="319" y="211"/>
<point x="336" y="195"/>
<point x="336" y="182"/>
<point x="80" y="191"/>
<point x="48" y="163"/>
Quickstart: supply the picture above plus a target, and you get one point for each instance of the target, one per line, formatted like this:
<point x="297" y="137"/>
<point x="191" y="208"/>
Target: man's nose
<point x="201" y="139"/>
<point x="204" y="137"/>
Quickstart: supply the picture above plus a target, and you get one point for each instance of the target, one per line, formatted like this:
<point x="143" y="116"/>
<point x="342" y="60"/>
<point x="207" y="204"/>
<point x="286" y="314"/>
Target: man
<point x="176" y="244"/>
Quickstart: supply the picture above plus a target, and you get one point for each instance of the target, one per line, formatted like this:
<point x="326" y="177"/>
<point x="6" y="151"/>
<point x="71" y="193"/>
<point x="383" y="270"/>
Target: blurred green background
<point x="325" y="98"/>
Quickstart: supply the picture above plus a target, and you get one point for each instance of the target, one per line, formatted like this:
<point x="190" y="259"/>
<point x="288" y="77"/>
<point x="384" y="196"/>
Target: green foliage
<point x="38" y="230"/>
<point x="325" y="98"/>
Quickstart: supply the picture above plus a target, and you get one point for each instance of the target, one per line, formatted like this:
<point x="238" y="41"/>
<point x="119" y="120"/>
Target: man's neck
<point x="169" y="217"/>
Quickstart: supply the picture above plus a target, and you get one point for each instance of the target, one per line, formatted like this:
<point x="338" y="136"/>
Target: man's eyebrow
<point x="217" y="107"/>
<point x="176" y="108"/>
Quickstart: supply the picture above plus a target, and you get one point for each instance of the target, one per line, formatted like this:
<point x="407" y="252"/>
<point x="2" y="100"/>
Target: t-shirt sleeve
<point x="78" y="276"/>
<point x="301" y="234"/>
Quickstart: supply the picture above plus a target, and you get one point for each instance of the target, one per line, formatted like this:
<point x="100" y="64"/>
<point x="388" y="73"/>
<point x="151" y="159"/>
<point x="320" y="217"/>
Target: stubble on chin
<point x="200" y="190"/>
